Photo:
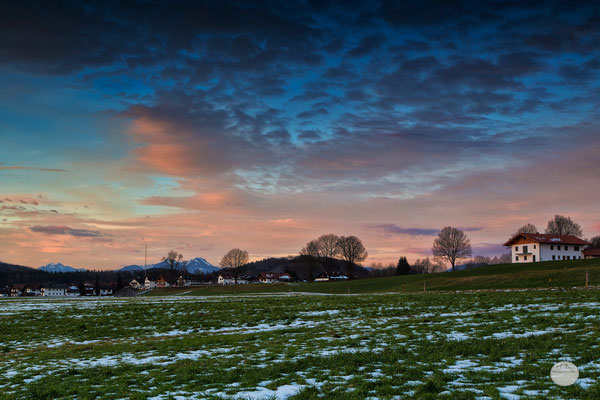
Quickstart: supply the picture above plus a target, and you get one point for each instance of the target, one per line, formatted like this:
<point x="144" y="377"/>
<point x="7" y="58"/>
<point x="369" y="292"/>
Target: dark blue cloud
<point x="422" y="85"/>
<point x="392" y="229"/>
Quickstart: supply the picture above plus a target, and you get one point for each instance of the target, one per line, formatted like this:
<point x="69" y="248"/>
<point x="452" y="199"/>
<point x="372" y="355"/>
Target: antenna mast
<point x="145" y="260"/>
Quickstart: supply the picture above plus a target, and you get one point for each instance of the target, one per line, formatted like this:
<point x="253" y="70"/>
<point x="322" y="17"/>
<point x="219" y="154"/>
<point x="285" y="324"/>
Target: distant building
<point x="534" y="247"/>
<point x="230" y="280"/>
<point x="148" y="284"/>
<point x="272" y="277"/>
<point x="106" y="290"/>
<point x="72" y="291"/>
<point x="17" y="289"/>
<point x="56" y="290"/>
<point x="591" y="253"/>
<point x="134" y="284"/>
<point x="324" y="277"/>
<point x="162" y="283"/>
<point x="180" y="281"/>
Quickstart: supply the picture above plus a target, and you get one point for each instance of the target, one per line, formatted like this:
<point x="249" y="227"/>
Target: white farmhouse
<point x="72" y="291"/>
<point x="148" y="284"/>
<point x="271" y="277"/>
<point x="534" y="247"/>
<point x="54" y="290"/>
<point x="230" y="280"/>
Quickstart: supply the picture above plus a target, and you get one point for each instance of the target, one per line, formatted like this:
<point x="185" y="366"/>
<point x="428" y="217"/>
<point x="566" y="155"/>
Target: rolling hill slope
<point x="558" y="274"/>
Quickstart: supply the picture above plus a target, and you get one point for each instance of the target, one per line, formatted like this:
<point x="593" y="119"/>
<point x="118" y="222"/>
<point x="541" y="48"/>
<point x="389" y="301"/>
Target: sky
<point x="204" y="126"/>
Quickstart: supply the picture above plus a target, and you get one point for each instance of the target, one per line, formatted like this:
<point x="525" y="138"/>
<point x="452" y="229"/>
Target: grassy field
<point x="468" y="345"/>
<point x="558" y="274"/>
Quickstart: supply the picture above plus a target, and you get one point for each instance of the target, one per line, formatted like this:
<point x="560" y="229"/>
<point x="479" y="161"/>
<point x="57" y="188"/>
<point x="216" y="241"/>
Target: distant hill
<point x="197" y="265"/>
<point x="5" y="267"/>
<point x="299" y="267"/>
<point x="58" y="267"/>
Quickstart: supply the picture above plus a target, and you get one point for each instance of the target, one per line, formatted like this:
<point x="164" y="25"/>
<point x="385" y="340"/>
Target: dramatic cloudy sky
<point x="202" y="127"/>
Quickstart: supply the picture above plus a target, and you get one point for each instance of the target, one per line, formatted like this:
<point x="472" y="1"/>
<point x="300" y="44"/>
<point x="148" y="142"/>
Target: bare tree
<point x="527" y="228"/>
<point x="173" y="260"/>
<point x="329" y="249"/>
<point x="426" y="266"/>
<point x="234" y="259"/>
<point x="311" y="251"/>
<point x="451" y="244"/>
<point x="353" y="251"/>
<point x="561" y="225"/>
<point x="595" y="242"/>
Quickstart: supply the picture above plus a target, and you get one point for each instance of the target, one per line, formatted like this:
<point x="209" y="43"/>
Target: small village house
<point x="230" y="280"/>
<point x="55" y="290"/>
<point x="17" y="289"/>
<point x="148" y="284"/>
<point x="134" y="284"/>
<point x="72" y="291"/>
<point x="106" y="290"/>
<point x="591" y="253"/>
<point x="324" y="277"/>
<point x="534" y="247"/>
<point x="160" y="282"/>
<point x="272" y="277"/>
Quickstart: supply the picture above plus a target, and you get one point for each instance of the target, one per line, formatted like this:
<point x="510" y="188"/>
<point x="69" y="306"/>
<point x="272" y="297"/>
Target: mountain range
<point x="58" y="267"/>
<point x="197" y="265"/>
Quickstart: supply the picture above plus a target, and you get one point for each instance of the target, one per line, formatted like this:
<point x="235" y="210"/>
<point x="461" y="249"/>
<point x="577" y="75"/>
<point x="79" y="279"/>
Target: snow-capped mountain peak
<point x="199" y="265"/>
<point x="58" y="267"/>
<point x="196" y="265"/>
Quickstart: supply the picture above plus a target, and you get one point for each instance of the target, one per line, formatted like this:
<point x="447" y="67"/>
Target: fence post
<point x="424" y="286"/>
<point x="402" y="288"/>
<point x="550" y="281"/>
<point x="587" y="278"/>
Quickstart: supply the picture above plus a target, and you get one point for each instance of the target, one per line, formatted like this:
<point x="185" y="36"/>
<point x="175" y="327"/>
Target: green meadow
<point x="427" y="345"/>
<point x="550" y="274"/>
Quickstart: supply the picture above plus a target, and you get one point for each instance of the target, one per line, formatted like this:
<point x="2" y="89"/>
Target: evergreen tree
<point x="403" y="267"/>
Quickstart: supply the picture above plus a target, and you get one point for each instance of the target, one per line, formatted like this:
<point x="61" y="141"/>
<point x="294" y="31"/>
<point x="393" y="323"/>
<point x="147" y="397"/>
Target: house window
<point x="568" y="257"/>
<point x="525" y="250"/>
<point x="553" y="257"/>
<point x="576" y="248"/>
<point x="517" y="248"/>
<point x="534" y="246"/>
<point x="558" y="247"/>
<point x="564" y="257"/>
<point x="517" y="258"/>
<point x="566" y="248"/>
<point x="525" y="258"/>
<point x="551" y="247"/>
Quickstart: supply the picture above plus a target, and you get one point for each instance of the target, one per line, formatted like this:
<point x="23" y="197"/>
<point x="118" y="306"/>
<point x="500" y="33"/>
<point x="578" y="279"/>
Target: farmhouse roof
<point x="547" y="238"/>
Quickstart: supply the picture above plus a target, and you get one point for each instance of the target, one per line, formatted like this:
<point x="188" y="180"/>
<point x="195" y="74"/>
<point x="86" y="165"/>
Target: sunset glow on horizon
<point x="201" y="128"/>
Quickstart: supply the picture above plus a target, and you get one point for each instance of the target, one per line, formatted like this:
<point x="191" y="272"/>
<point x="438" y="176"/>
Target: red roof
<point x="591" y="252"/>
<point x="549" y="239"/>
